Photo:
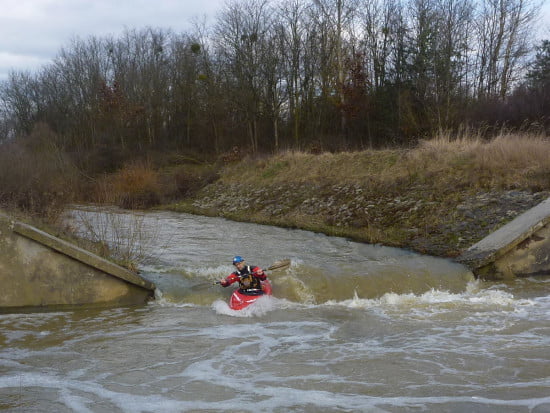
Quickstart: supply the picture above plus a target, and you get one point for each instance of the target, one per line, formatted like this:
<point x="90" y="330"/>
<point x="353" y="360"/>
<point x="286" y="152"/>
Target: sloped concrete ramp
<point x="38" y="269"/>
<point x="520" y="248"/>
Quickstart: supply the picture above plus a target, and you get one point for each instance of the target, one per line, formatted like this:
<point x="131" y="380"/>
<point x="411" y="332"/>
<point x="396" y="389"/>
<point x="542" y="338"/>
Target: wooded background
<point x="270" y="75"/>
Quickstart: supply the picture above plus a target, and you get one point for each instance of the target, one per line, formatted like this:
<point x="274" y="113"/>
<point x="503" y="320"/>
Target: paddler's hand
<point x="259" y="273"/>
<point x="223" y="282"/>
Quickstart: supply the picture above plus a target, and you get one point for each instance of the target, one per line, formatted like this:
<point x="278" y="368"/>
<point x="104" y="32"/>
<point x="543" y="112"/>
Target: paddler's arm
<point x="230" y="279"/>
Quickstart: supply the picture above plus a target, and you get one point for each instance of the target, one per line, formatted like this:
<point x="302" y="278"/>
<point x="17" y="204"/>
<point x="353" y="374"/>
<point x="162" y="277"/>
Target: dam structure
<point x="38" y="269"/>
<point x="521" y="248"/>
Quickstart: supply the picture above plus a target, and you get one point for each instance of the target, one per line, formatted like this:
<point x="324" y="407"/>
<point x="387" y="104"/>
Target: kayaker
<point x="248" y="276"/>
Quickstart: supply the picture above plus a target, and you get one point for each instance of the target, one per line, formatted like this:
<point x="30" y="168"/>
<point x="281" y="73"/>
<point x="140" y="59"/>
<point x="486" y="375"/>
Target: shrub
<point x="135" y="186"/>
<point x="35" y="176"/>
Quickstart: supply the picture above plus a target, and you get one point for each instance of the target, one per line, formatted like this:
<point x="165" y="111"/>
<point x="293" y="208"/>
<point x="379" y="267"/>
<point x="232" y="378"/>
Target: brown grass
<point x="507" y="161"/>
<point x="299" y="167"/>
<point x="515" y="152"/>
<point x="505" y="151"/>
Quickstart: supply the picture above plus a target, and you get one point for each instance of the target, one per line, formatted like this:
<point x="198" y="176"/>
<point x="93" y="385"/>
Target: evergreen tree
<point x="539" y="74"/>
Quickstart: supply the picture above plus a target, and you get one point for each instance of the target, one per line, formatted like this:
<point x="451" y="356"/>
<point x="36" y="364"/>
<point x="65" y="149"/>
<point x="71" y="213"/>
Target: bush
<point x="35" y="176"/>
<point x="135" y="186"/>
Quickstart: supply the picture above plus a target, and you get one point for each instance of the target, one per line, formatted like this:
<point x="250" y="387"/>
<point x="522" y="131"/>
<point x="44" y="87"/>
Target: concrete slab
<point x="519" y="248"/>
<point x="38" y="269"/>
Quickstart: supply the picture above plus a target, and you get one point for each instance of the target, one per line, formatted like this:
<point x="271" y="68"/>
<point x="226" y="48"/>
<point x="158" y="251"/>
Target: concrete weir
<point x="38" y="269"/>
<point x="520" y="248"/>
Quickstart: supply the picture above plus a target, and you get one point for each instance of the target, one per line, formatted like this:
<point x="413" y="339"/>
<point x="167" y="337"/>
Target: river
<point x="350" y="328"/>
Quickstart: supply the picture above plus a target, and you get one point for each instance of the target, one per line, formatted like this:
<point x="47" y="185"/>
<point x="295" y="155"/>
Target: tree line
<point x="272" y="74"/>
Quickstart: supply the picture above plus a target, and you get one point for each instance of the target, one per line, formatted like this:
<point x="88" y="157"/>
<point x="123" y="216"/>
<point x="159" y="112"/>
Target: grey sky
<point x="33" y="31"/>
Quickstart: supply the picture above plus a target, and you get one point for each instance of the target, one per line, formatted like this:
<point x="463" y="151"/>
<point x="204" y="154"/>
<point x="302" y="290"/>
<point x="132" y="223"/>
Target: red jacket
<point x="247" y="269"/>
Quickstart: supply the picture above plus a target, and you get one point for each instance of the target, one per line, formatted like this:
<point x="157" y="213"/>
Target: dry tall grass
<point x="299" y="167"/>
<point x="507" y="161"/>
<point x="510" y="150"/>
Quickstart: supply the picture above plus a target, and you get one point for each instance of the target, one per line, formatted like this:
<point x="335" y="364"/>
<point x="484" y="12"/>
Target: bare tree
<point x="240" y="33"/>
<point x="335" y="18"/>
<point x="270" y="72"/>
<point x="455" y="21"/>
<point x="378" y="29"/>
<point x="293" y="31"/>
<point x="502" y="30"/>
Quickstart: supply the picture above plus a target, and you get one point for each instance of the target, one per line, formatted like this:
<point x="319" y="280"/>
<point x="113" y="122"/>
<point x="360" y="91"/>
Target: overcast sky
<point x="33" y="31"/>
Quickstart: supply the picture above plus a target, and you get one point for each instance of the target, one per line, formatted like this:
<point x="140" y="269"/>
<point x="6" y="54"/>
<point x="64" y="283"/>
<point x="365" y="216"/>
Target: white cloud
<point x="33" y="31"/>
<point x="16" y="62"/>
<point x="11" y="60"/>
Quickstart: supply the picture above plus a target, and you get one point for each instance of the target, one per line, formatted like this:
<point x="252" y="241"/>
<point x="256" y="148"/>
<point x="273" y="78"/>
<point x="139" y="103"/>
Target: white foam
<point x="480" y="298"/>
<point x="163" y="301"/>
<point x="258" y="308"/>
<point x="209" y="272"/>
<point x="83" y="396"/>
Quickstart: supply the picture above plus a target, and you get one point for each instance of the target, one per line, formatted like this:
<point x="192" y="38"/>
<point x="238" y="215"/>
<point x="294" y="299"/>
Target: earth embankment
<point x="438" y="199"/>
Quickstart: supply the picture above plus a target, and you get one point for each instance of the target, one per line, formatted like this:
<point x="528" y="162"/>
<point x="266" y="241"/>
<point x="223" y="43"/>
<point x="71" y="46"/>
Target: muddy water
<point x="350" y="328"/>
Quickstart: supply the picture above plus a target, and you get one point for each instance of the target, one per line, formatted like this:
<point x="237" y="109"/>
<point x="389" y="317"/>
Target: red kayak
<point x="239" y="300"/>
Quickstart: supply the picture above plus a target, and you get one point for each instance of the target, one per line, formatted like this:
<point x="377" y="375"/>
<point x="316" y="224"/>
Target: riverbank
<point x="437" y="199"/>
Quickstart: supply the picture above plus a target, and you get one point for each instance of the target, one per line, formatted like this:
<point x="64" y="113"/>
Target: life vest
<point x="248" y="283"/>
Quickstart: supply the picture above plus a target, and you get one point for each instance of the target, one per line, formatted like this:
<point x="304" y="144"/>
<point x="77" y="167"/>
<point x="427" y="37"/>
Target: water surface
<point x="351" y="327"/>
